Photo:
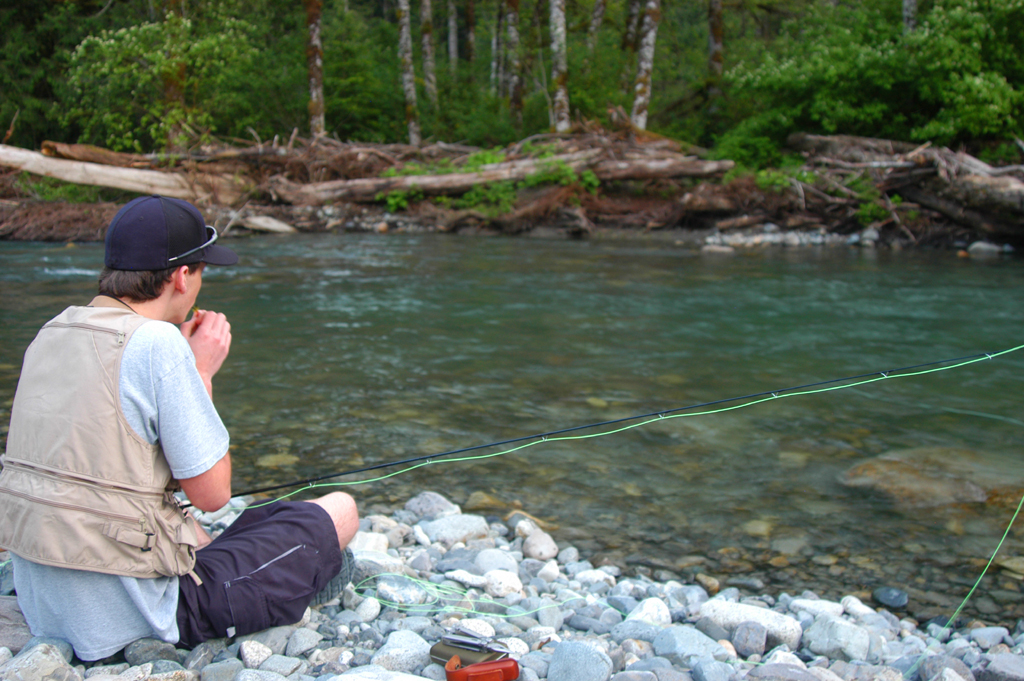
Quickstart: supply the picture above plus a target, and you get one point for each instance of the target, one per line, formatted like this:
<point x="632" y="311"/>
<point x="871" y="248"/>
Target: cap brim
<point x="219" y="255"/>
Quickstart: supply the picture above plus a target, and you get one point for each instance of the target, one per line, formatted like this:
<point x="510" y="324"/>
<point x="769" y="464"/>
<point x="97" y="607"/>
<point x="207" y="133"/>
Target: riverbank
<point x="31" y="220"/>
<point x="426" y="569"/>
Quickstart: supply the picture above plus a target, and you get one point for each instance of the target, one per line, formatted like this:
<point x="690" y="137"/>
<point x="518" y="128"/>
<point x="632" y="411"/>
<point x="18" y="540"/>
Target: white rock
<point x="781" y="628"/>
<point x="254" y="653"/>
<point x="588" y="577"/>
<point x="478" y="626"/>
<point x="517" y="647"/>
<point x="816" y="607"/>
<point x="501" y="583"/>
<point x="420" y="535"/>
<point x="404" y="651"/>
<point x="372" y="672"/>
<point x="855" y="607"/>
<point x="651" y="610"/>
<point x="369" y="541"/>
<point x="784" y="657"/>
<point x="540" y="545"/>
<point x="451" y="530"/>
<point x="525" y="527"/>
<point x="368" y="610"/>
<point x="824" y="674"/>
<point x="837" y="639"/>
<point x="549" y="572"/>
<point x="467" y="578"/>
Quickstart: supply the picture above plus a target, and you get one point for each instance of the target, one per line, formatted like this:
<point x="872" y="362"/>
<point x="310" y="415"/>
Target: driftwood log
<point x="957" y="185"/>
<point x="197" y="187"/>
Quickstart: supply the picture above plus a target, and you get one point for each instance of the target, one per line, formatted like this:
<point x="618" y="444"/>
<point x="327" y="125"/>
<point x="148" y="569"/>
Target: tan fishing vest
<point x="79" y="488"/>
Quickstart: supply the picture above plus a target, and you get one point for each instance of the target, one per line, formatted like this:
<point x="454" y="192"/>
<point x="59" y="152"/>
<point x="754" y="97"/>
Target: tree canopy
<point x="145" y="75"/>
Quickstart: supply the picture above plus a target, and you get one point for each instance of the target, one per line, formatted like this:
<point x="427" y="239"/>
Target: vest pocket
<point x="130" y="535"/>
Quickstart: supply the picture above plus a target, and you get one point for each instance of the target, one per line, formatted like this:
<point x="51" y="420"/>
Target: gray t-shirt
<point x="164" y="400"/>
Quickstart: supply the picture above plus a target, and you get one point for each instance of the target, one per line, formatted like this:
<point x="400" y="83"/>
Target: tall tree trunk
<point x="716" y="34"/>
<point x="498" y="52"/>
<point x="315" y="63"/>
<point x="645" y="63"/>
<point x="412" y="114"/>
<point x="470" y="31"/>
<point x="559" y="66"/>
<point x="514" y="68"/>
<point x="596" y="18"/>
<point x="453" y="39"/>
<point x="427" y="36"/>
<point x="632" y="25"/>
<point x="909" y="15"/>
<point x="174" y="84"/>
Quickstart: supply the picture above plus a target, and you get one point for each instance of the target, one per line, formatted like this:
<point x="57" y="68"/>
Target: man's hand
<point x="209" y="336"/>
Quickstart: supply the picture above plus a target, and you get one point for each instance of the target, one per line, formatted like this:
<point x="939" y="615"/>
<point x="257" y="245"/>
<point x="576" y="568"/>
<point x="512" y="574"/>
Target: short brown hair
<point x="141" y="285"/>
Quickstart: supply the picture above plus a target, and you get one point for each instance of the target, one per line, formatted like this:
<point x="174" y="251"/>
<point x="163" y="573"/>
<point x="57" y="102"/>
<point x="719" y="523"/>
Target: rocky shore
<point x="428" y="569"/>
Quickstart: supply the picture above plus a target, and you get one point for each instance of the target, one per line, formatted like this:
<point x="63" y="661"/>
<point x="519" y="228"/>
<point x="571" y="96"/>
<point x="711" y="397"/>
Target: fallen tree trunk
<point x="369" y="189"/>
<point x="198" y="187"/>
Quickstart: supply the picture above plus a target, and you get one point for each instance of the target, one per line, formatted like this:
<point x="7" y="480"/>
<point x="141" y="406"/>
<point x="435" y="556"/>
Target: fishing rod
<point x="754" y="398"/>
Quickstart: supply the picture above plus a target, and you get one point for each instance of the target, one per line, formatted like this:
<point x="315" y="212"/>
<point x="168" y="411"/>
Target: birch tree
<point x="498" y="52"/>
<point x="514" y="67"/>
<point x="427" y="37"/>
<point x="470" y="31"/>
<point x="645" y="63"/>
<point x="716" y="34"/>
<point x="453" y="38"/>
<point x="596" y="18"/>
<point x="632" y="25"/>
<point x="412" y="115"/>
<point x="909" y="15"/>
<point x="315" y="63"/>
<point x="559" y="66"/>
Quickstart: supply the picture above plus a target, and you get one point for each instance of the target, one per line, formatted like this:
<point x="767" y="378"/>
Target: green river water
<point x="353" y="350"/>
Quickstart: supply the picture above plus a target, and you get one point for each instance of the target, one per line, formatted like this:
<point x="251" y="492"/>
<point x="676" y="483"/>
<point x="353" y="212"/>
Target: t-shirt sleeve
<point x="164" y="400"/>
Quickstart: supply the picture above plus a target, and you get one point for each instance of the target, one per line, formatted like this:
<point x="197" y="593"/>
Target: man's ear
<point x="180" y="280"/>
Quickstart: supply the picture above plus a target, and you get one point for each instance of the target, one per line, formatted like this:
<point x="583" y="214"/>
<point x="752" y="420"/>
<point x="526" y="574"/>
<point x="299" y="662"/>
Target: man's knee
<point x="342" y="509"/>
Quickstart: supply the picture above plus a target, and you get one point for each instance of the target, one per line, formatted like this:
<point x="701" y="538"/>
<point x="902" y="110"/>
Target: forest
<point x="723" y="80"/>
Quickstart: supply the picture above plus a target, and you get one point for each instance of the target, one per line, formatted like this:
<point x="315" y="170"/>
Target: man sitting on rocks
<point x="114" y="412"/>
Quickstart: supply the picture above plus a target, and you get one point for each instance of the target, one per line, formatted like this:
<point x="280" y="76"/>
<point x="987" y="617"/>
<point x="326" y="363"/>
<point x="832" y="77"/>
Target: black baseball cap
<point x="158" y="232"/>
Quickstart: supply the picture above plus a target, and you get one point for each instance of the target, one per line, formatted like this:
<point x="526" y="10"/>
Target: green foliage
<point x="492" y="199"/>
<point x="772" y="180"/>
<point x="400" y="200"/>
<point x="49" y="189"/>
<point x="851" y="69"/>
<point x="137" y="87"/>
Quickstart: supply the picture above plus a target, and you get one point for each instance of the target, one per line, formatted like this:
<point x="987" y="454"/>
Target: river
<point x="354" y="350"/>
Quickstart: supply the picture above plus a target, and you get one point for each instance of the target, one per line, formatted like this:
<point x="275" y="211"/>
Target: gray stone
<point x="781" y="672"/>
<point x="5" y="656"/>
<point x="1004" y="667"/>
<point x="537" y="661"/>
<point x="781" y="629"/>
<point x="710" y="628"/>
<point x="167" y="667"/>
<point x="584" y="623"/>
<point x="258" y="675"/>
<point x="579" y="661"/>
<point x="685" y="646"/>
<point x="496" y="559"/>
<point x="404" y="651"/>
<point x="638" y="629"/>
<point x="837" y="639"/>
<point x="947" y="674"/>
<point x="203" y="654"/>
<point x="650" y="664"/>
<point x="749" y="638"/>
<point x="39" y="663"/>
<point x="275" y="638"/>
<point x="711" y="670"/>
<point x="933" y="664"/>
<point x="148" y="650"/>
<point x="986" y="637"/>
<point x="456" y="528"/>
<point x="431" y="505"/>
<point x="254" y="653"/>
<point x="302" y="641"/>
<point x="630" y="675"/>
<point x="550" y="615"/>
<point x="107" y="670"/>
<point x="891" y="597"/>
<point x="14" y="632"/>
<point x="179" y="674"/>
<point x="671" y="674"/>
<point x="60" y="644"/>
<point x="624" y="604"/>
<point x="401" y="591"/>
<point x="368" y="610"/>
<point x="136" y="673"/>
<point x="281" y="664"/>
<point x="372" y="672"/>
<point x="222" y="671"/>
<point x="414" y="623"/>
<point x="7" y="578"/>
<point x="369" y="564"/>
<point x="690" y="596"/>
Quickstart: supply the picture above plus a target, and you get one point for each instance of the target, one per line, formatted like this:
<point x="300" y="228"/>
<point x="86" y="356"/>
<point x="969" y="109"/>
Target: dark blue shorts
<point x="263" y="571"/>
